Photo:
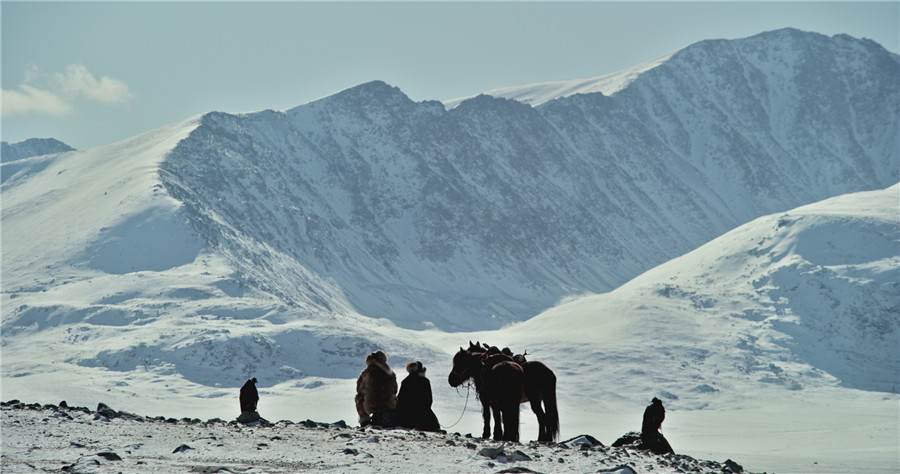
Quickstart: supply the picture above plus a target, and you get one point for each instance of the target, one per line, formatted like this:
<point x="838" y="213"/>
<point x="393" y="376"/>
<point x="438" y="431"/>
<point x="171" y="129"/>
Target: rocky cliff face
<point x="493" y="210"/>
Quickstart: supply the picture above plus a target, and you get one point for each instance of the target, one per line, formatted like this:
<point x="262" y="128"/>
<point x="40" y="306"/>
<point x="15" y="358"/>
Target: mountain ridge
<point x="369" y="208"/>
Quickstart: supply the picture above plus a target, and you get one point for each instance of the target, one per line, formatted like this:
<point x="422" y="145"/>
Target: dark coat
<point x="654" y="415"/>
<point x="651" y="438"/>
<point x="414" y="404"/>
<point x="249" y="396"/>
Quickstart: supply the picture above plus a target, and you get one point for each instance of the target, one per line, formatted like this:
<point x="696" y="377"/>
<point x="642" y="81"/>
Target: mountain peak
<point x="32" y="147"/>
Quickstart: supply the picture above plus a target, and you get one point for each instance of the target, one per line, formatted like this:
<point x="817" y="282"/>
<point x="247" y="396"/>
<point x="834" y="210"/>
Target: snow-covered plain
<point x="158" y="273"/>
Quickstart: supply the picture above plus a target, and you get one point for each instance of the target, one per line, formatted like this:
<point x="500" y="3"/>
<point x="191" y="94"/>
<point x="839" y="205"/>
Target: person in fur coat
<point x="414" y="400"/>
<point x="376" y="392"/>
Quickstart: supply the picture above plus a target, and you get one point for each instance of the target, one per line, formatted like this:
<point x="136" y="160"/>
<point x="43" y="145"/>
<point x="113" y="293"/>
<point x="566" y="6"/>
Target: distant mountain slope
<point x="801" y="299"/>
<point x="493" y="210"/>
<point x="31" y="147"/>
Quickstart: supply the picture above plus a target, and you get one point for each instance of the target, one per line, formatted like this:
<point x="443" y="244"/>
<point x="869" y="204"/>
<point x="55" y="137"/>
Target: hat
<point x="378" y="356"/>
<point x="415" y="367"/>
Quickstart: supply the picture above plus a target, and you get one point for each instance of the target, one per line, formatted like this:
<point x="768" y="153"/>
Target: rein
<point x="468" y="388"/>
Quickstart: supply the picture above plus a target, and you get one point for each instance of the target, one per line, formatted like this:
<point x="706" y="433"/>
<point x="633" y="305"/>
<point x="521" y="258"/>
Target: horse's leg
<point x="511" y="421"/>
<point x="543" y="434"/>
<point x="486" y="414"/>
<point x="498" y="423"/>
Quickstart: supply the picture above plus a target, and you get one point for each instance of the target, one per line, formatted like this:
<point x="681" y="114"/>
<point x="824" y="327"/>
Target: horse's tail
<point x="550" y="409"/>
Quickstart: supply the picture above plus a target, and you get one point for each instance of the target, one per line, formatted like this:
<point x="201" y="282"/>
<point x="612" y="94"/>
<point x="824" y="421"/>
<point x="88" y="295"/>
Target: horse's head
<point x="464" y="363"/>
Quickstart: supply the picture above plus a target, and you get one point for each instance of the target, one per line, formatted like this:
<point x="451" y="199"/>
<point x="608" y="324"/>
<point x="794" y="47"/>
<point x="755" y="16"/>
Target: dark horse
<point x="502" y="384"/>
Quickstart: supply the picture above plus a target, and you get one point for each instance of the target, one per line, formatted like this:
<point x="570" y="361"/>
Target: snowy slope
<point x="538" y="94"/>
<point x="709" y="332"/>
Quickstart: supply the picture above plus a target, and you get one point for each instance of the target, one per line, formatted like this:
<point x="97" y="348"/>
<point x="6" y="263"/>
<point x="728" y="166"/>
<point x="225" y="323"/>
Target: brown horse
<point x="502" y="384"/>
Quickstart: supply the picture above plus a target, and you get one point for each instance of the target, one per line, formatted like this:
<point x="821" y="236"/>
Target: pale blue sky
<point x="91" y="74"/>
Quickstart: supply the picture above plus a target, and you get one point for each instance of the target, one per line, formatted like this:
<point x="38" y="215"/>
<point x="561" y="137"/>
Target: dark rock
<point x="109" y="456"/>
<point x="105" y="411"/>
<point x="517" y="469"/>
<point x="83" y="465"/>
<point x="731" y="466"/>
<point x="248" y="417"/>
<point x="63" y="404"/>
<point x="519" y="456"/>
<point x="339" y="424"/>
<point x="582" y="440"/>
<point x="351" y="451"/>
<point x="630" y="439"/>
<point x="182" y="449"/>
<point x="622" y="469"/>
<point x="309" y="424"/>
<point x="492" y="453"/>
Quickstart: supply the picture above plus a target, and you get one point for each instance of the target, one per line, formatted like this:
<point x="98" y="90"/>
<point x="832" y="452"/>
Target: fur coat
<point x="376" y="387"/>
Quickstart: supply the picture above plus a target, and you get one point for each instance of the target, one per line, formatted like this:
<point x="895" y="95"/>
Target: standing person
<point x="414" y="400"/>
<point x="249" y="396"/>
<point x="651" y="438"/>
<point x="376" y="392"/>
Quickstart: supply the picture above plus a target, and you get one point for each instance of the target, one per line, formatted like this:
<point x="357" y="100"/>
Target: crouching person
<point x="376" y="392"/>
<point x="414" y="400"/>
<point x="651" y="438"/>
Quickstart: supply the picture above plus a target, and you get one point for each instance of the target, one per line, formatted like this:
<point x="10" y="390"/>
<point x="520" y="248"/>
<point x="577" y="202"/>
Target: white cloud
<point x="29" y="99"/>
<point x="79" y="82"/>
<point x="58" y="93"/>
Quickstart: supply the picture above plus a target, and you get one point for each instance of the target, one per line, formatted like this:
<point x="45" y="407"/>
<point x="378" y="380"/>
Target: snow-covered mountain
<point x="288" y="245"/>
<point x="31" y="147"/>
<point x="493" y="210"/>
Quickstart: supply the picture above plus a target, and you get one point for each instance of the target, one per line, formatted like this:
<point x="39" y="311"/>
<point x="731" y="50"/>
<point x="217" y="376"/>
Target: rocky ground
<point x="59" y="438"/>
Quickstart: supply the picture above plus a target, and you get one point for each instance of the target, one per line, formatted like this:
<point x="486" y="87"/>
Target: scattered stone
<point x="63" y="404"/>
<point x="582" y="441"/>
<point x="731" y="466"/>
<point x="519" y="456"/>
<point x="470" y="446"/>
<point x="620" y="469"/>
<point x="109" y="456"/>
<point x="351" y="451"/>
<point x="309" y="424"/>
<point x="339" y="424"/>
<point x="83" y="465"/>
<point x="182" y="449"/>
<point x="491" y="452"/>
<point x="517" y="469"/>
<point x="105" y="411"/>
<point x="248" y="417"/>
